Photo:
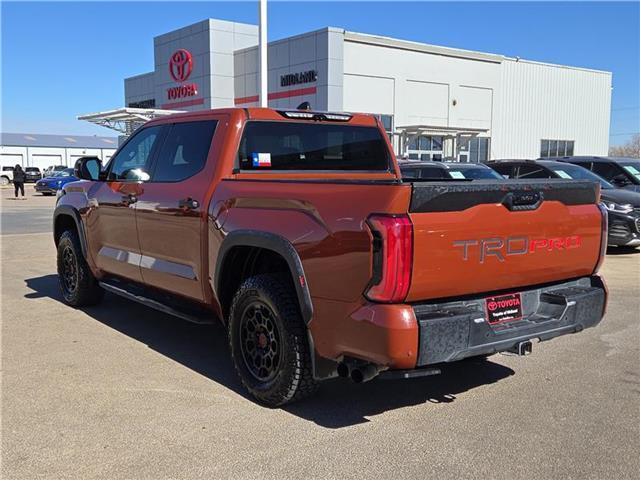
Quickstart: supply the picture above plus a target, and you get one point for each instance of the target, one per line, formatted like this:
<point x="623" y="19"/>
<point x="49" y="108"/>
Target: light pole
<point x="262" y="47"/>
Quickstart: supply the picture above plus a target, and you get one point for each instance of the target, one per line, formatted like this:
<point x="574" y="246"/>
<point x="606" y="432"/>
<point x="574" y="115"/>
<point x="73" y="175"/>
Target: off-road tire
<point x="4" y="181"/>
<point x="293" y="377"/>
<point x="85" y="291"/>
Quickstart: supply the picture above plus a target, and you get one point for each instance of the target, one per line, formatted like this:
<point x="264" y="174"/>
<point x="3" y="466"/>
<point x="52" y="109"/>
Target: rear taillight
<point x="392" y="258"/>
<point x="605" y="236"/>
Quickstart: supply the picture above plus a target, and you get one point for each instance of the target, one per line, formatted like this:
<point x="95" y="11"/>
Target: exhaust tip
<point x="356" y="375"/>
<point x="343" y="370"/>
<point x="365" y="373"/>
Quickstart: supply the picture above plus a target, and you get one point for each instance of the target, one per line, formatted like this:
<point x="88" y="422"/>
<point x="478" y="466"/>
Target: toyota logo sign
<point x="180" y="65"/>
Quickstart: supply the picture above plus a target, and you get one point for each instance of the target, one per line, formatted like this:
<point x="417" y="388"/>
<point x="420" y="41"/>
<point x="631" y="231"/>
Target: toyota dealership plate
<point x="504" y="308"/>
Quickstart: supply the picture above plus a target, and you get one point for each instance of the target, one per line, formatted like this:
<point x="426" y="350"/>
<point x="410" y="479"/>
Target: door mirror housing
<point x="88" y="168"/>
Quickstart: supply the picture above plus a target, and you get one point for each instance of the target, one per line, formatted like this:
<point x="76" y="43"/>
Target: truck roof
<point x="285" y="114"/>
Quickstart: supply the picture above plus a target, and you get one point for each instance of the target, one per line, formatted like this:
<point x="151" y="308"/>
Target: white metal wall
<point x="518" y="102"/>
<point x="44" y="157"/>
<point x="538" y="101"/>
<point x="421" y="87"/>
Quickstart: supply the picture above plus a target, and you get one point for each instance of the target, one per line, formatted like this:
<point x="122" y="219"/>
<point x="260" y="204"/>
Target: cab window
<point x="184" y="151"/>
<point x="132" y="162"/>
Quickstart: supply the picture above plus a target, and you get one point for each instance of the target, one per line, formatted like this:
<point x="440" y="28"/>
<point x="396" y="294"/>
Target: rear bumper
<point x="412" y="336"/>
<point x="455" y="330"/>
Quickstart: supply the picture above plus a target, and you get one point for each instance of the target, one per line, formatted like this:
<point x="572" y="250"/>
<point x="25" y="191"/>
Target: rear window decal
<point x="261" y="159"/>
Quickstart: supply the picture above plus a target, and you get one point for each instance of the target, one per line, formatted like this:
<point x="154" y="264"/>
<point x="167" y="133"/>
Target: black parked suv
<point x="426" y="170"/>
<point x="623" y="205"/>
<point x="622" y="172"/>
<point x="32" y="174"/>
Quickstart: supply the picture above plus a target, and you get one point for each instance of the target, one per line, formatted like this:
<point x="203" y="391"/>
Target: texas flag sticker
<point x="261" y="159"/>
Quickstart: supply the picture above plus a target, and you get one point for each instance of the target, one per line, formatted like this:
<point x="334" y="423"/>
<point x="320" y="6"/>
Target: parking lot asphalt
<point x="121" y="391"/>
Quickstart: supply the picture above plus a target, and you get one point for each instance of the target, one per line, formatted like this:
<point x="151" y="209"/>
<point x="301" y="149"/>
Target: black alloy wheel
<point x="69" y="272"/>
<point x="260" y="341"/>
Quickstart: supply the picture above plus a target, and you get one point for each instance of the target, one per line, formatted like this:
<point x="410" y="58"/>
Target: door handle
<point x="129" y="199"/>
<point x="188" y="204"/>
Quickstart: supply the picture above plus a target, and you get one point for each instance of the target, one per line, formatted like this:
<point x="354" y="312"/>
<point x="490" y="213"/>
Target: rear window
<point x="423" y="172"/>
<point x="312" y="146"/>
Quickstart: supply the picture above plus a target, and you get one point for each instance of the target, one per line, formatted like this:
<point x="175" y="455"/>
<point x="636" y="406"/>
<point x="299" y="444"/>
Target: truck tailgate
<point x="485" y="236"/>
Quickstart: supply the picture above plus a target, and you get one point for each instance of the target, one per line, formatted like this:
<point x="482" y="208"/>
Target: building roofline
<point x="557" y="65"/>
<point x="421" y="47"/>
<point x="48" y="140"/>
<point x="294" y="37"/>
<point x="133" y="77"/>
<point x="453" y="52"/>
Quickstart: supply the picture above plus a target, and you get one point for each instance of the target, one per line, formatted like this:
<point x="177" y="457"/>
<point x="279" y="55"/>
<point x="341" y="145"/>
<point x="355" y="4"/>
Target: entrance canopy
<point x="125" y="120"/>
<point x="435" y="142"/>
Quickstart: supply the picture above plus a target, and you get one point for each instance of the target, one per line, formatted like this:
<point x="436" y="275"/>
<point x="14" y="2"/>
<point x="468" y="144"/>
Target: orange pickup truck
<point x="295" y="229"/>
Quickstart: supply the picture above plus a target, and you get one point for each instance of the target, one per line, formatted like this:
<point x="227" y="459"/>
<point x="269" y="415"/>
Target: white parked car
<point x="6" y="176"/>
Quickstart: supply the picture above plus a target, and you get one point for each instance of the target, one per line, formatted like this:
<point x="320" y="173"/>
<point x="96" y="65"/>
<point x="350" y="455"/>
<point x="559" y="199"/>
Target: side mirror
<point x="620" y="180"/>
<point x="88" y="168"/>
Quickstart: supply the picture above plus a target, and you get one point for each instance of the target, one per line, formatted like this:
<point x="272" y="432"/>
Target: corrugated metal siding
<point x="538" y="101"/>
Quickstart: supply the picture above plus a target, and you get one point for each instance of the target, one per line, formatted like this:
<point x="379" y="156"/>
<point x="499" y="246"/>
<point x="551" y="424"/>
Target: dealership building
<point x="435" y="102"/>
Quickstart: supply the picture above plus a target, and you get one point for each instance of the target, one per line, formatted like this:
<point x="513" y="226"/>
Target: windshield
<point x="578" y="173"/>
<point x="63" y="173"/>
<point x="632" y="167"/>
<point x="473" y="173"/>
<point x="31" y="169"/>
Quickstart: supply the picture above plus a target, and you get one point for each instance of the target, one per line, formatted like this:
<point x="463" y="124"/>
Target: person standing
<point x="19" y="178"/>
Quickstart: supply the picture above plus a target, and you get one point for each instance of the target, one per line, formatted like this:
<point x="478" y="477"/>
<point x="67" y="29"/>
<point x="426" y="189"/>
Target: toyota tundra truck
<point x="295" y="229"/>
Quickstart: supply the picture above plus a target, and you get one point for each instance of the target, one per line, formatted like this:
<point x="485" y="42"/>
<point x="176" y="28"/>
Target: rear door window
<point x="312" y="146"/>
<point x="433" y="173"/>
<point x="507" y="171"/>
<point x="184" y="151"/>
<point x="606" y="170"/>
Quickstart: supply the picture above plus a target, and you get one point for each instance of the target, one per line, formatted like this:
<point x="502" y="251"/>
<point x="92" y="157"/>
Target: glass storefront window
<point x="544" y="148"/>
<point x="425" y="147"/>
<point x="569" y="148"/>
<point x="478" y="150"/>
<point x="425" y="143"/>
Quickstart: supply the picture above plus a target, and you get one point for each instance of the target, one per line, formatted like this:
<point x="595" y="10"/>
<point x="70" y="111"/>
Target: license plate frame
<point x="503" y="308"/>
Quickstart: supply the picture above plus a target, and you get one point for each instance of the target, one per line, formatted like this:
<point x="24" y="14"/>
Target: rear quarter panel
<point x="326" y="223"/>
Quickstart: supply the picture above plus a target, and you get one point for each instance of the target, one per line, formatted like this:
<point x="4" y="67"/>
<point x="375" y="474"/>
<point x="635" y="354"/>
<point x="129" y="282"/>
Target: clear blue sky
<point x="63" y="59"/>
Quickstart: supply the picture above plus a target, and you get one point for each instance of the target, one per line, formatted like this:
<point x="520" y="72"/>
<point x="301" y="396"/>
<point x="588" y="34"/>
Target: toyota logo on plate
<point x="180" y="65"/>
